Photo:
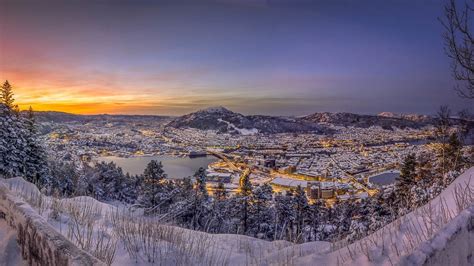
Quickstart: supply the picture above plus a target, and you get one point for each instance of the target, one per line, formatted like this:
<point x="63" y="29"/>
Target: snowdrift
<point x="39" y="242"/>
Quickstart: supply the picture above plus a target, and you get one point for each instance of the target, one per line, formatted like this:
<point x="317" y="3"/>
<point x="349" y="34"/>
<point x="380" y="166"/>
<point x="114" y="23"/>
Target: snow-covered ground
<point x="122" y="237"/>
<point x="9" y="248"/>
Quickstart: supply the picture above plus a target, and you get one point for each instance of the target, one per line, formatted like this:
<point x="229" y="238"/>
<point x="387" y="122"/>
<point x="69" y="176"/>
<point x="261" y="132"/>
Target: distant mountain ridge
<point x="356" y="120"/>
<point x="62" y="117"/>
<point x="224" y="120"/>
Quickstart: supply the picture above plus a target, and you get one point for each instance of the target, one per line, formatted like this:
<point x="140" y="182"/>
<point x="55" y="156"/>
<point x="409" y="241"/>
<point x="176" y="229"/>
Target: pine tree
<point x="7" y="95"/>
<point x="201" y="182"/>
<point x="152" y="191"/>
<point x="35" y="163"/>
<point x="245" y="191"/>
<point x="453" y="153"/>
<point x="284" y="216"/>
<point x="67" y="176"/>
<point x="301" y="210"/>
<point x="261" y="212"/>
<point x="406" y="181"/>
<point x="20" y="152"/>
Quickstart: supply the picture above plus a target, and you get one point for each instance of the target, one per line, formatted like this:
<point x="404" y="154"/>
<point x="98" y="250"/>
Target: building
<point x="320" y="190"/>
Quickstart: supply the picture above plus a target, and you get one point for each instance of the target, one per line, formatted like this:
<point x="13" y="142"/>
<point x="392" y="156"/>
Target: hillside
<point x="413" y="239"/>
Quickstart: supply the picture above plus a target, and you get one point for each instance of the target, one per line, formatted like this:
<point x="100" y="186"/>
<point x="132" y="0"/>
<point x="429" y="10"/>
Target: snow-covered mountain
<point x="226" y="121"/>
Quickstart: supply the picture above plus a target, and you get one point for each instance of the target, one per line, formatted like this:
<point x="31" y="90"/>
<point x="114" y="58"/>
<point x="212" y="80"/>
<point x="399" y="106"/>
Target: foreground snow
<point x="122" y="237"/>
<point x="9" y="249"/>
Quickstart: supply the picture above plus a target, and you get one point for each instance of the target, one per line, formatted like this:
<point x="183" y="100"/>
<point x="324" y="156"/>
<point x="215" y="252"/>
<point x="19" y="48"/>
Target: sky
<point x="251" y="56"/>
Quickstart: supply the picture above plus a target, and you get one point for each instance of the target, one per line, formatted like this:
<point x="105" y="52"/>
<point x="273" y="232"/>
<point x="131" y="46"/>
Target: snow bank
<point x="11" y="253"/>
<point x="453" y="245"/>
<point x="40" y="244"/>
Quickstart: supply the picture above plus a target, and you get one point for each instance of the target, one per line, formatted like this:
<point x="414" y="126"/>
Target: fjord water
<point x="175" y="167"/>
<point x="386" y="178"/>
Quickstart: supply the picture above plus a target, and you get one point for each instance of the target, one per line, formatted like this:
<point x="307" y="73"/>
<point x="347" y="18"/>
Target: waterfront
<point x="175" y="167"/>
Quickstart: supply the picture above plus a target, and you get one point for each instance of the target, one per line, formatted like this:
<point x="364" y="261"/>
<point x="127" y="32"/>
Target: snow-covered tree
<point x="301" y="211"/>
<point x="153" y="191"/>
<point x="406" y="181"/>
<point x="6" y="95"/>
<point x="261" y="212"/>
<point x="284" y="216"/>
<point x="35" y="163"/>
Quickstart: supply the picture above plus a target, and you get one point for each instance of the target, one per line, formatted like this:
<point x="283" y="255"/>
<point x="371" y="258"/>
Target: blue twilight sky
<point x="265" y="57"/>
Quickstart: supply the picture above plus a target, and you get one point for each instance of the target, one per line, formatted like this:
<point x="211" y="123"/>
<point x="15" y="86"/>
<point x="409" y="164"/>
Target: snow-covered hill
<point x="414" y="239"/>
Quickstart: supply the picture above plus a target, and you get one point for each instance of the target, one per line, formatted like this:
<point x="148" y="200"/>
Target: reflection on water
<point x="175" y="167"/>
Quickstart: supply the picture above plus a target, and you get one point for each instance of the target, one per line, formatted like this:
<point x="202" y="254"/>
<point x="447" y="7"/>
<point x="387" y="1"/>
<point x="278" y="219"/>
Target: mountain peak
<point x="216" y="109"/>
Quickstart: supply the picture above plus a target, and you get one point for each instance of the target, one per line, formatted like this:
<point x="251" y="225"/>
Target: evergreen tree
<point x="13" y="143"/>
<point x="200" y="201"/>
<point x="284" y="216"/>
<point x="6" y="96"/>
<point x="301" y="211"/>
<point x="453" y="153"/>
<point x="406" y="181"/>
<point x="245" y="191"/>
<point x="201" y="182"/>
<point x="153" y="191"/>
<point x="261" y="212"/>
<point x="35" y="163"/>
<point x="67" y="177"/>
<point x="20" y="152"/>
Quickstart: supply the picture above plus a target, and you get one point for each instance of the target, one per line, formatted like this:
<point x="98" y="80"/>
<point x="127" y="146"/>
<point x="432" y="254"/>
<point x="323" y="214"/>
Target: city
<point x="236" y="132"/>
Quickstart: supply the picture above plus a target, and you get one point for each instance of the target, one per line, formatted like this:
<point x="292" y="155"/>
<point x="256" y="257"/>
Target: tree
<point x="7" y="95"/>
<point x="200" y="206"/>
<point x="35" y="163"/>
<point x="453" y="152"/>
<point x="443" y="123"/>
<point x="261" y="212"/>
<point x="220" y="192"/>
<point x="245" y="191"/>
<point x="406" y="180"/>
<point x="301" y="210"/>
<point x="459" y="45"/>
<point x="284" y="216"/>
<point x="201" y="183"/>
<point x="153" y="192"/>
<point x="67" y="177"/>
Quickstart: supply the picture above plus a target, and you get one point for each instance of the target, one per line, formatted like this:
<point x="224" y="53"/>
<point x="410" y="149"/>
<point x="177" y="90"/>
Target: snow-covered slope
<point x="414" y="239"/>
